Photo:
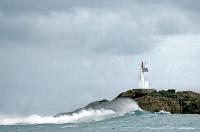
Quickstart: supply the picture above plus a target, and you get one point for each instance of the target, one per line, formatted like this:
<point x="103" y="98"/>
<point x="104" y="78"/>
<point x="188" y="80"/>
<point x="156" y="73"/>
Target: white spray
<point x="119" y="106"/>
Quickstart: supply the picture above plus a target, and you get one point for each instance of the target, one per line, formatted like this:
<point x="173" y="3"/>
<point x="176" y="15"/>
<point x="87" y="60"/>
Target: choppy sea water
<point x="135" y="122"/>
<point x="133" y="119"/>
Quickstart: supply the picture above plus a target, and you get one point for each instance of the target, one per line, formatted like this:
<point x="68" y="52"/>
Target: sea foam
<point x="84" y="115"/>
<point x="121" y="106"/>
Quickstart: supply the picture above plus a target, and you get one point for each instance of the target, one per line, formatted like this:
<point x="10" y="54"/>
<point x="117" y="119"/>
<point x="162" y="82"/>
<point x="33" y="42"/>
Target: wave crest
<point x="84" y="115"/>
<point x="118" y="107"/>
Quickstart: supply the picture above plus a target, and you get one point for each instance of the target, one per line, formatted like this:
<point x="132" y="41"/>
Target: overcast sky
<point x="56" y="56"/>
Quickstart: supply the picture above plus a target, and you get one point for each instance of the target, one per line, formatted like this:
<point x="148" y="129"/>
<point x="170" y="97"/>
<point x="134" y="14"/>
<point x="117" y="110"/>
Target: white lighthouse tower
<point x="142" y="83"/>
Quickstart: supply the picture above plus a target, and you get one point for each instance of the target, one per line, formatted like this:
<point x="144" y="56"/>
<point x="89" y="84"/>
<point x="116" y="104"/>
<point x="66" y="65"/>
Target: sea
<point x="131" y="119"/>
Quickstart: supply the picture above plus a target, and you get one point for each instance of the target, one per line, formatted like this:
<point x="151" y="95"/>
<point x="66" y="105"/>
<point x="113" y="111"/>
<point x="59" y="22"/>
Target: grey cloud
<point x="160" y="16"/>
<point x="19" y="28"/>
<point x="46" y="6"/>
<point x="88" y="30"/>
<point x="126" y="39"/>
<point x="192" y="5"/>
<point x="176" y="23"/>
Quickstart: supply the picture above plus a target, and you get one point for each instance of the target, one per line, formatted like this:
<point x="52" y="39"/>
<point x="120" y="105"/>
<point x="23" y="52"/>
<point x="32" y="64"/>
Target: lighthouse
<point x="142" y="83"/>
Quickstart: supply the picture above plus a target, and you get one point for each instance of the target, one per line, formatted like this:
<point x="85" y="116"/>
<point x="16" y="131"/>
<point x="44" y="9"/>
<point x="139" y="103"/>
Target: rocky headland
<point x="180" y="102"/>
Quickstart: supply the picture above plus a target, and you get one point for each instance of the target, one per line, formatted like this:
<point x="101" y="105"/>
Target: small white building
<point x="142" y="83"/>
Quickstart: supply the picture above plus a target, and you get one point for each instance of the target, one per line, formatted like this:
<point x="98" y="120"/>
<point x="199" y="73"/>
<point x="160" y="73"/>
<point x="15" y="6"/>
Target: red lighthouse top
<point x="143" y="67"/>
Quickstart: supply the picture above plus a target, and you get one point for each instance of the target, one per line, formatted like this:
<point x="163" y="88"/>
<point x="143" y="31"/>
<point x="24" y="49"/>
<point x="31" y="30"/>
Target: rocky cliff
<point x="184" y="102"/>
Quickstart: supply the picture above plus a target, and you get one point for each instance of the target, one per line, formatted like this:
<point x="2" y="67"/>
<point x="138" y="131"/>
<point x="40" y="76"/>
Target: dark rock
<point x="185" y="102"/>
<point x="93" y="105"/>
<point x="116" y="105"/>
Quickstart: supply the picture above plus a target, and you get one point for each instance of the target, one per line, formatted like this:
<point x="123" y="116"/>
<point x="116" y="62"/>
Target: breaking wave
<point x="163" y="112"/>
<point x="122" y="107"/>
<point x="84" y="115"/>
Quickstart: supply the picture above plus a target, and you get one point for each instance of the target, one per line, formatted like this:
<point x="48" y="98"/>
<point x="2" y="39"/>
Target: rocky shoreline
<point x="182" y="102"/>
